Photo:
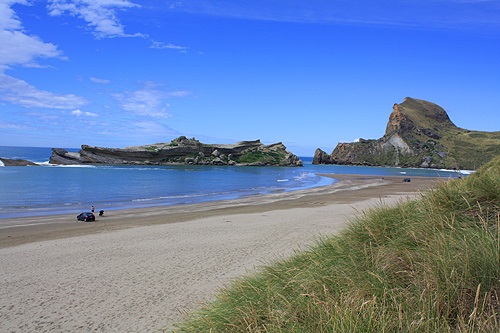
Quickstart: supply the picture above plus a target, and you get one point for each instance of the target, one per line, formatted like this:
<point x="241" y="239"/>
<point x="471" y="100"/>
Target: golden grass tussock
<point x="426" y="265"/>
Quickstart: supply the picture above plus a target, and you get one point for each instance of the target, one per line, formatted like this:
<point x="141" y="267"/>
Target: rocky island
<point x="418" y="134"/>
<point x="182" y="151"/>
<point x="15" y="162"/>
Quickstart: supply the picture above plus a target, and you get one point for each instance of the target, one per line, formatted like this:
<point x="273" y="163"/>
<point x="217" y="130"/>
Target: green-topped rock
<point x="418" y="134"/>
<point x="182" y="151"/>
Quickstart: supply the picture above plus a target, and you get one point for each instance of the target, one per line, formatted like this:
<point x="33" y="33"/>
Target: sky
<point x="310" y="74"/>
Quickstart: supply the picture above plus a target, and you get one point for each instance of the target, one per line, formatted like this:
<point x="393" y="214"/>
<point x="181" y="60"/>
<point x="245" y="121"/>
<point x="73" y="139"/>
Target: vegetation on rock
<point x="419" y="134"/>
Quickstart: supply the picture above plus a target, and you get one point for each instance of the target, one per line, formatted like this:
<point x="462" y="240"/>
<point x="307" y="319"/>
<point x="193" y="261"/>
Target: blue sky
<point x="118" y="73"/>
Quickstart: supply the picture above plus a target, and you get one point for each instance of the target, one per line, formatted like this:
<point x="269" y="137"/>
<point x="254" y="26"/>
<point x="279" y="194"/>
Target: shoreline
<point x="144" y="273"/>
<point x="23" y="230"/>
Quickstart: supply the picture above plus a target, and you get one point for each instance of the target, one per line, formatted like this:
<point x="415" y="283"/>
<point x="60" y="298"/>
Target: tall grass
<point x="427" y="265"/>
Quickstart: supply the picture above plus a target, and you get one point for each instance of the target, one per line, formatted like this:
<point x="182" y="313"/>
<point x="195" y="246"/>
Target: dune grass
<point x="427" y="265"/>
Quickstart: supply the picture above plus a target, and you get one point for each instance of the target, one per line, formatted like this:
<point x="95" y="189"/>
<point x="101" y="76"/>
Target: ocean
<point x="49" y="189"/>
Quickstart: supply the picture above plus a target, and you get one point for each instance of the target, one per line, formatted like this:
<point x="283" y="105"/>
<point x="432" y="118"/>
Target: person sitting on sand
<point x="101" y="213"/>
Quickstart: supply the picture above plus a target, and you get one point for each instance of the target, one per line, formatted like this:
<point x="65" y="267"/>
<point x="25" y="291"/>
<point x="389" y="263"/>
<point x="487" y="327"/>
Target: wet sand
<point x="138" y="270"/>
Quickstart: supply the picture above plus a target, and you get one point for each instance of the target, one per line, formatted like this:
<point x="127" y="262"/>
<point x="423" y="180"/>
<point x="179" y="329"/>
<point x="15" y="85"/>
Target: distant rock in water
<point x="182" y="151"/>
<point x="418" y="134"/>
<point x="15" y="162"/>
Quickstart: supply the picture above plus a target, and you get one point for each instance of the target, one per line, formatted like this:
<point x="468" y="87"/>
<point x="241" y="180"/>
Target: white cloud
<point x="7" y="16"/>
<point x="7" y="125"/>
<point x="161" y="46"/>
<point x="99" y="14"/>
<point x="100" y="81"/>
<point x="16" y="91"/>
<point x="449" y="14"/>
<point x="148" y="100"/>
<point x="80" y="113"/>
<point x="18" y="48"/>
<point x="153" y="128"/>
<point x="41" y="115"/>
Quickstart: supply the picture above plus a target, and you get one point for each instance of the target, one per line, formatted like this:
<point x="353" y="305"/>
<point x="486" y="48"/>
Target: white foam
<point x="68" y="166"/>
<point x="1" y="164"/>
<point x="462" y="172"/>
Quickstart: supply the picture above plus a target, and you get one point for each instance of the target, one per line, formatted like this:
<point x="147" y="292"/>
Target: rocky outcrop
<point x="15" y="162"/>
<point x="320" y="157"/>
<point x="182" y="151"/>
<point x="418" y="134"/>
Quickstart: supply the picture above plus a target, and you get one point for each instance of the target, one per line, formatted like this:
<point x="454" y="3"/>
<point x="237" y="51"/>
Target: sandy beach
<point x="140" y="270"/>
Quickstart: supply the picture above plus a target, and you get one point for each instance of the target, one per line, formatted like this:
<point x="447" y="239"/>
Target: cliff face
<point x="182" y="151"/>
<point x="418" y="134"/>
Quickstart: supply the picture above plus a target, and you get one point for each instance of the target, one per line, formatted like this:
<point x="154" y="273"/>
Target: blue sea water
<point x="50" y="189"/>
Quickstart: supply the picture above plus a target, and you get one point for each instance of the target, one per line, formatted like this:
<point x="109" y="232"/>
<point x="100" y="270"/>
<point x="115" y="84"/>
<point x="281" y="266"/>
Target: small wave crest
<point x="66" y="166"/>
<point x="187" y="196"/>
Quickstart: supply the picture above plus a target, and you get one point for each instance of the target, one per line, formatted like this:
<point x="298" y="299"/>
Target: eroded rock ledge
<point x="15" y="162"/>
<point x="182" y="151"/>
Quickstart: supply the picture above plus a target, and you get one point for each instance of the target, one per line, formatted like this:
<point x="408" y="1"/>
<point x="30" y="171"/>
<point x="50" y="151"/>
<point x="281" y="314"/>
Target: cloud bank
<point x="100" y="15"/>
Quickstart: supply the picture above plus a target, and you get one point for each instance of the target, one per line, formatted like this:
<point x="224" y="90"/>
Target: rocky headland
<point x="182" y="151"/>
<point x="418" y="134"/>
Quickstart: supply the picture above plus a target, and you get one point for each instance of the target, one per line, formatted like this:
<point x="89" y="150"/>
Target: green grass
<point x="428" y="265"/>
<point x="256" y="155"/>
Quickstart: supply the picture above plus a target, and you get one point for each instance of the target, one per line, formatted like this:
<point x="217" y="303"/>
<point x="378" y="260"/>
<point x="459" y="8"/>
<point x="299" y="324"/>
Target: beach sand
<point x="140" y="270"/>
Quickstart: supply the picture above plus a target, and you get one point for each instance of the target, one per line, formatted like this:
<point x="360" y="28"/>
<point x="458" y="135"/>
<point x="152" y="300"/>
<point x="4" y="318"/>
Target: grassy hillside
<point x="471" y="149"/>
<point x="428" y="265"/>
<point x="466" y="149"/>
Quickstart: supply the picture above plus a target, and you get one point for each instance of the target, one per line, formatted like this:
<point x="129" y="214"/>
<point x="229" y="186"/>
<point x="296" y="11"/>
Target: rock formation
<point x="418" y="134"/>
<point x="182" y="151"/>
<point x="15" y="162"/>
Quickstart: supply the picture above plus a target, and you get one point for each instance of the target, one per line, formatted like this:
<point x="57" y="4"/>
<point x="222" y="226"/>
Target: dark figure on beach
<point x="101" y="213"/>
<point x="93" y="209"/>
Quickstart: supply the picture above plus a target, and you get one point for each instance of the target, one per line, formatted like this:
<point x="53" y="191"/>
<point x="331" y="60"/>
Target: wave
<point x="187" y="196"/>
<point x="66" y="166"/>
<point x="237" y="193"/>
<point x="460" y="172"/>
<point x="104" y="166"/>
